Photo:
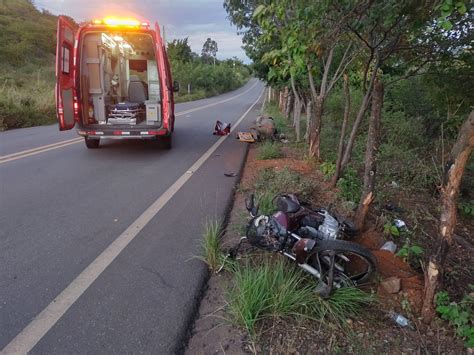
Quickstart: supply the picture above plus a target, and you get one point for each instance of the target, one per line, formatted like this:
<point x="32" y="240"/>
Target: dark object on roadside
<point x="230" y="174"/>
<point x="393" y="208"/>
<point x="266" y="127"/>
<point x="221" y="129"/>
<point x="314" y="246"/>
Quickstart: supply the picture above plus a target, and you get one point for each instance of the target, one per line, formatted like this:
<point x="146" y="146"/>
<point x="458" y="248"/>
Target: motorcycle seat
<point x="288" y="203"/>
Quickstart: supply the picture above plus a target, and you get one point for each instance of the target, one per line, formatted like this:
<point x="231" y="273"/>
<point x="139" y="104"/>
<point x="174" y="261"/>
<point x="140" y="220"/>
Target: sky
<point x="196" y="19"/>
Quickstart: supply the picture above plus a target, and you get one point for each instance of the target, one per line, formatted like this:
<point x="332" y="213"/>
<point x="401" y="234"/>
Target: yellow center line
<point x="46" y="148"/>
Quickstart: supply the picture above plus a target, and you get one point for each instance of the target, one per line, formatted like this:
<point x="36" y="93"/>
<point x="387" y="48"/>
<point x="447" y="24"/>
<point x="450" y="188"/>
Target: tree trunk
<point x="315" y="129"/>
<point x="340" y="149"/>
<point x="373" y="142"/>
<point x="296" y="110"/>
<point x="297" y="118"/>
<point x="360" y="115"/>
<point x="453" y="172"/>
<point x="281" y="101"/>
<point x="289" y="105"/>
<point x="309" y="105"/>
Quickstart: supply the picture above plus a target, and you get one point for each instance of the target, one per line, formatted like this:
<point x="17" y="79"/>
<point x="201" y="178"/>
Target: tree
<point x="453" y="173"/>
<point x="209" y="50"/>
<point x="179" y="50"/>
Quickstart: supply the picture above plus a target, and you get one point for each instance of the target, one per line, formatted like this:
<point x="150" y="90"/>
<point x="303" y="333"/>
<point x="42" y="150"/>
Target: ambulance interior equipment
<point x="119" y="79"/>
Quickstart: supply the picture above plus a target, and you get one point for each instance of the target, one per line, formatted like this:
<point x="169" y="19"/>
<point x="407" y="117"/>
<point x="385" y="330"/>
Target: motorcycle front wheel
<point x="352" y="263"/>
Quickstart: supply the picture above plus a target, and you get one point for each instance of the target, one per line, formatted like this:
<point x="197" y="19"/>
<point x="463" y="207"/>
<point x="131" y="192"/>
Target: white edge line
<point x="45" y="148"/>
<point x="44" y="321"/>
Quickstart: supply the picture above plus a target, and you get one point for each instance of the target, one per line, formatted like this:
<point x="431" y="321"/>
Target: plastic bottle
<point x="389" y="246"/>
<point x="400" y="320"/>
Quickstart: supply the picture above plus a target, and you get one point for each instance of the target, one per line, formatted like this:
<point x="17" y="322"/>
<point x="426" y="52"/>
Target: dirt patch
<point x="372" y="332"/>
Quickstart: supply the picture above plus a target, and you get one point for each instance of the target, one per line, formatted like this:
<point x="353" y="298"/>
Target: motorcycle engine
<point x="330" y="227"/>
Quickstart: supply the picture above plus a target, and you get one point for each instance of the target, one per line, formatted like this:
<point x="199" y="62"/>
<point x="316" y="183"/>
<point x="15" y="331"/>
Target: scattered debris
<point x="394" y="185"/>
<point x="393" y="208"/>
<point x="389" y="246"/>
<point x="402" y="321"/>
<point x="401" y="225"/>
<point x="221" y="128"/>
<point x="246" y="137"/>
<point x="266" y="128"/>
<point x="391" y="285"/>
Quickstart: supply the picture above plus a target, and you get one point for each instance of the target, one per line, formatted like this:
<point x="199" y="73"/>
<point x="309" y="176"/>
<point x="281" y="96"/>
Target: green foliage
<point x="27" y="97"/>
<point x="458" y="314"/>
<point x="328" y="169"/>
<point x="27" y="48"/>
<point x="466" y="208"/>
<point x="390" y="229"/>
<point x="26" y="35"/>
<point x="350" y="186"/>
<point x="212" y="254"/>
<point x="410" y="252"/>
<point x="179" y="50"/>
<point x="284" y="181"/>
<point x="209" y="50"/>
<point x="274" y="288"/>
<point x="207" y="80"/>
<point x="269" y="150"/>
<point x="265" y="203"/>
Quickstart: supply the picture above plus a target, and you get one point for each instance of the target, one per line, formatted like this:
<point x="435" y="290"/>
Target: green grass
<point x="27" y="97"/>
<point x="286" y="180"/>
<point x="212" y="254"/>
<point x="275" y="288"/>
<point x="265" y="203"/>
<point x="269" y="150"/>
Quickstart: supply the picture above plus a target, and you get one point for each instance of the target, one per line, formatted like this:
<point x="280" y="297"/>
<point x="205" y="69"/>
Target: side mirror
<point x="175" y="86"/>
<point x="250" y="205"/>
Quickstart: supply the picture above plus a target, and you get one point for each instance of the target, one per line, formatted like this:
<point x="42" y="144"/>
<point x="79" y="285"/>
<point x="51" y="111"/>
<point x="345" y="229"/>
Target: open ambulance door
<point x="65" y="73"/>
<point x="165" y="79"/>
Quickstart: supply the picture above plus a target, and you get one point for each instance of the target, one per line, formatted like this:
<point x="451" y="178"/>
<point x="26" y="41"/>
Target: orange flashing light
<point x="121" y="22"/>
<point x="112" y="21"/>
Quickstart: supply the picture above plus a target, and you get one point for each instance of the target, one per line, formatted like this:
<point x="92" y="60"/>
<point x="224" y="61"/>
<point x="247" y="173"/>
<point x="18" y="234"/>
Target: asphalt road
<point x="62" y="209"/>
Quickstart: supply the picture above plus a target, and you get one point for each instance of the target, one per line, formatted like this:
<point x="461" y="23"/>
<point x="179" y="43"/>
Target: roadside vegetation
<point x="273" y="288"/>
<point x="27" y="74"/>
<point x="375" y="95"/>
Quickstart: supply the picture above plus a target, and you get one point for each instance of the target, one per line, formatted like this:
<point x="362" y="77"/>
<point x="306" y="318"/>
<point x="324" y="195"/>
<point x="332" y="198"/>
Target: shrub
<point x="269" y="150"/>
<point x="350" y="186"/>
<point x="275" y="288"/>
<point x="458" y="314"/>
<point x="212" y="254"/>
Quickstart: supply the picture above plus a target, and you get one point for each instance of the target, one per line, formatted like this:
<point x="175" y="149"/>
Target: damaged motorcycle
<point x="310" y="237"/>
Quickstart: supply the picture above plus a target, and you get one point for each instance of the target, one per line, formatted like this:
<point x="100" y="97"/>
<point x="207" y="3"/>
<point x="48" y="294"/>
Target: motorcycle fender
<point x="302" y="249"/>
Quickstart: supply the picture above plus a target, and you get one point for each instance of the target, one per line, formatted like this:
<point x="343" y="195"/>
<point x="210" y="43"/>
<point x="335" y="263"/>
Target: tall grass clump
<point x="275" y="288"/>
<point x="28" y="99"/>
<point x="269" y="150"/>
<point x="273" y="182"/>
<point x="211" y="252"/>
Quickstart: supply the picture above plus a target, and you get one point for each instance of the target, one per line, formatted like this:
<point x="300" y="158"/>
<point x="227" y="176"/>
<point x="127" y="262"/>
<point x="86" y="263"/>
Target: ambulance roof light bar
<point x="121" y="22"/>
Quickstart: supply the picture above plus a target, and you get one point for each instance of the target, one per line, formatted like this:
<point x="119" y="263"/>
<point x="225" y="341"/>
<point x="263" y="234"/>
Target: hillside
<point x="27" y="46"/>
<point x="26" y="34"/>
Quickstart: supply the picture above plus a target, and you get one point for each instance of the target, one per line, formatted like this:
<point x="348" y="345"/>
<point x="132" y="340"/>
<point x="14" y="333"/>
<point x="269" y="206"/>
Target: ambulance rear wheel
<point x="92" y="143"/>
<point x="166" y="142"/>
